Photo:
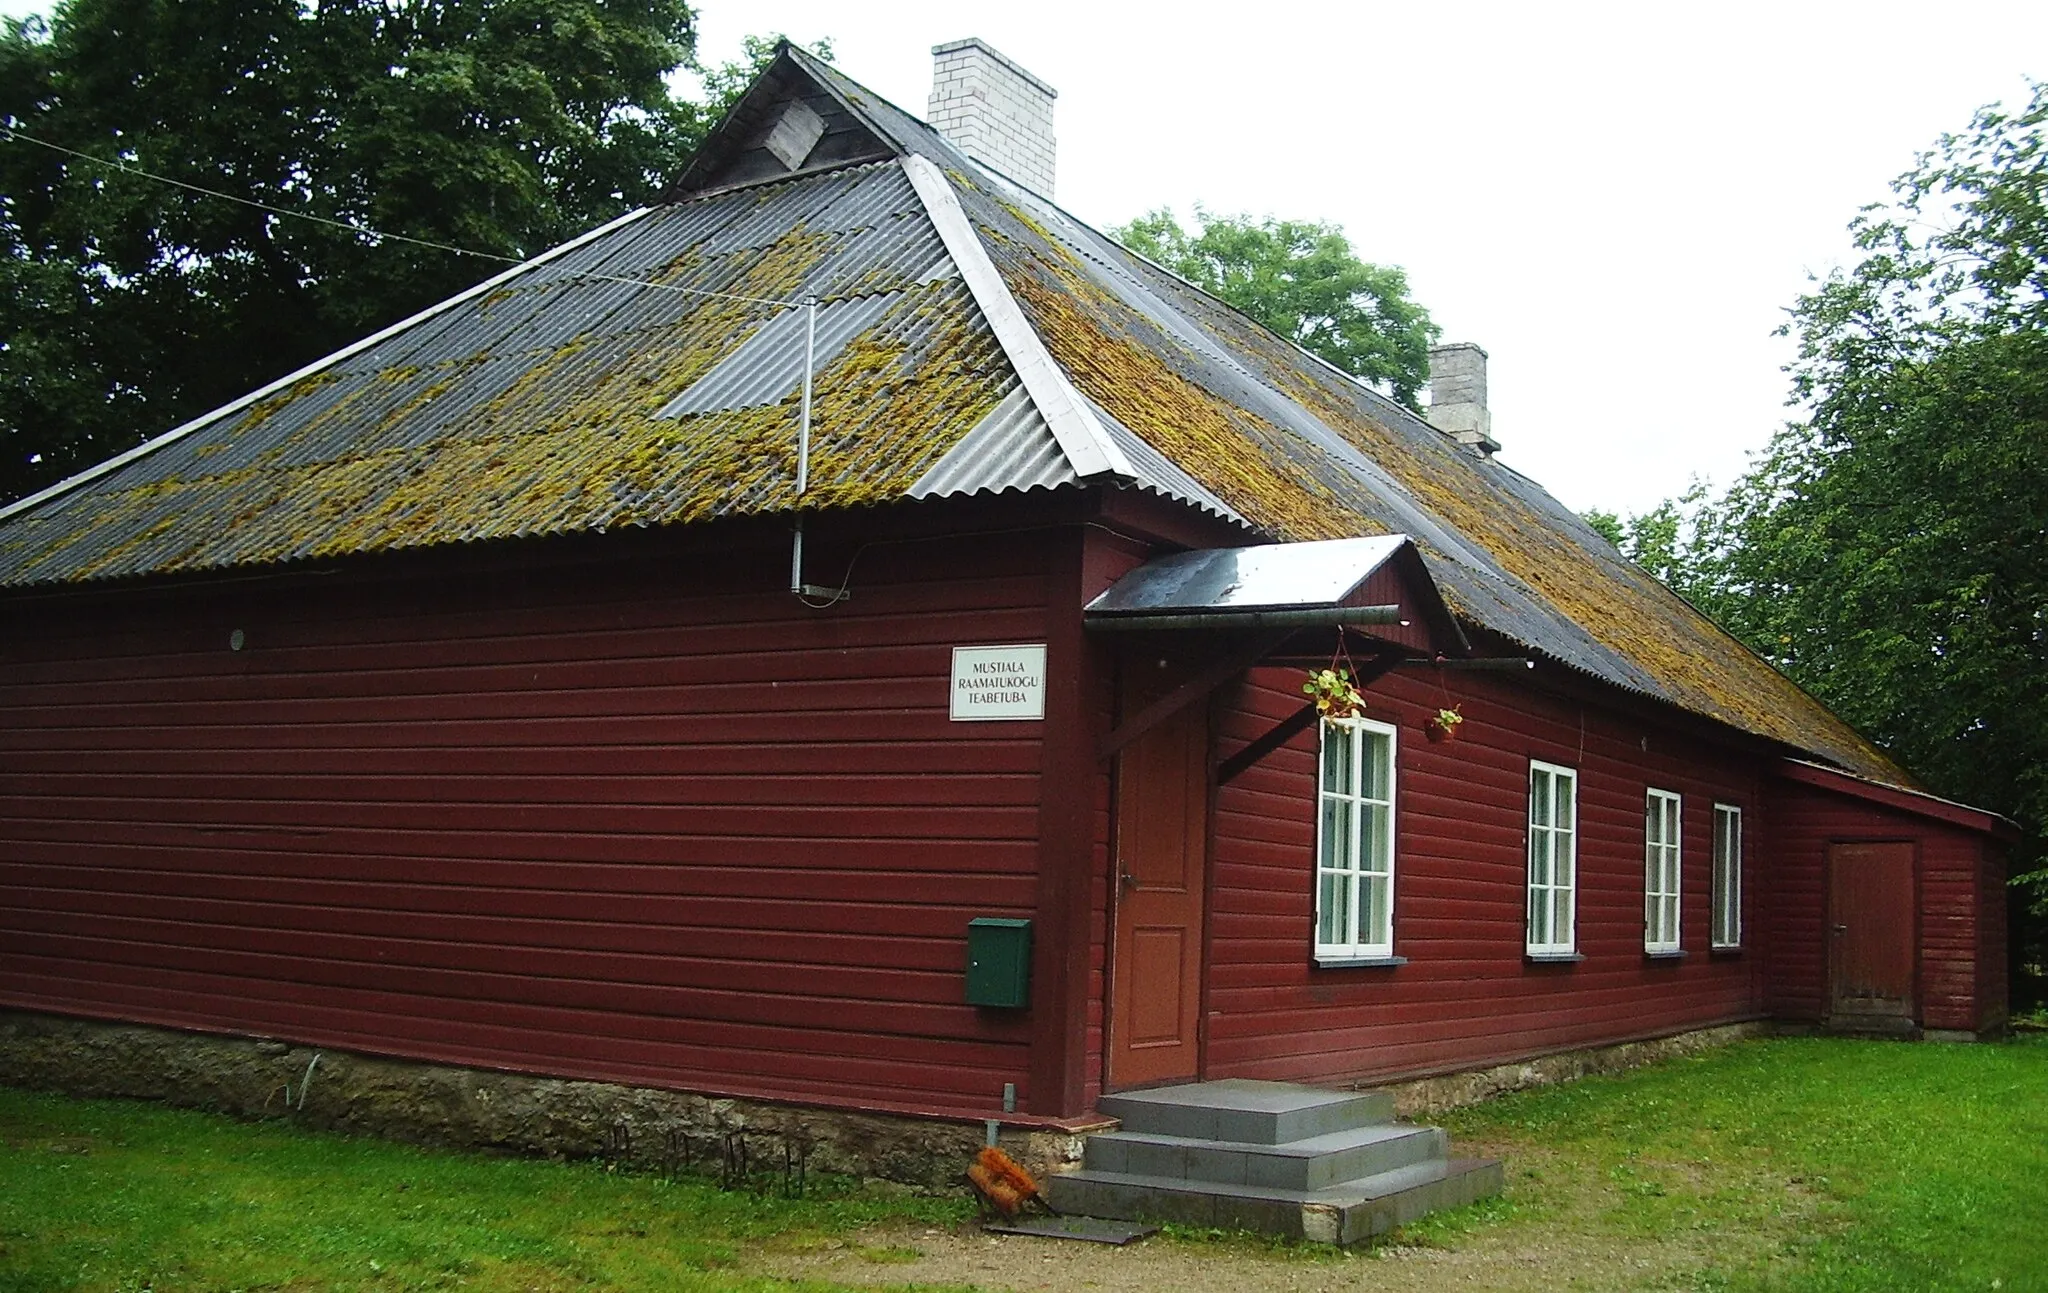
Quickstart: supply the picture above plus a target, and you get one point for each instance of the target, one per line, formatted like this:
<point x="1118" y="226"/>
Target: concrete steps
<point x="1329" y="1166"/>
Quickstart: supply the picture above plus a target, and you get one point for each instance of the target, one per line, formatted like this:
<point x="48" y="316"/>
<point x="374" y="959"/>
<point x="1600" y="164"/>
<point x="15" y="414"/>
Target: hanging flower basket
<point x="1335" y="695"/>
<point x="1443" y="725"/>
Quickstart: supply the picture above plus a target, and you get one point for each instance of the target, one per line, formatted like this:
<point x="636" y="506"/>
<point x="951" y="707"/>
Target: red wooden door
<point x="1156" y="956"/>
<point x="1870" y="935"/>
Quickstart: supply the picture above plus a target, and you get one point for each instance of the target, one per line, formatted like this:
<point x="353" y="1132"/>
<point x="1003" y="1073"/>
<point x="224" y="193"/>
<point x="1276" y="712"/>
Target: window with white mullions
<point x="1553" y="859"/>
<point x="1727" y="876"/>
<point x="1355" y="841"/>
<point x="1661" y="818"/>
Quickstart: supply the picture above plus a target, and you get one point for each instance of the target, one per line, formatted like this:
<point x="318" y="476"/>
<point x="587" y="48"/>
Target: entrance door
<point x="1156" y="958"/>
<point x="1870" y="937"/>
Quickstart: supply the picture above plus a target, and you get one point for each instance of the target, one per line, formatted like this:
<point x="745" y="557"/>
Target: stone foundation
<point x="1433" y="1095"/>
<point x="429" y="1104"/>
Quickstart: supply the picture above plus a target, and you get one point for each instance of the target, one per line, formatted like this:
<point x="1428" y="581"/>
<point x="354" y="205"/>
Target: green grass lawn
<point x="112" y="1195"/>
<point x="1799" y="1164"/>
<point x="1793" y="1164"/>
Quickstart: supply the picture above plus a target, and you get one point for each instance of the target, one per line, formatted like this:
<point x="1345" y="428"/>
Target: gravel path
<point x="1562" y="1236"/>
<point x="948" y="1258"/>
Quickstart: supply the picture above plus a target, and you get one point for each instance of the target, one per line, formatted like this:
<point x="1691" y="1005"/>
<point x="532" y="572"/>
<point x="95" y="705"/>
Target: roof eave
<point x="1917" y="802"/>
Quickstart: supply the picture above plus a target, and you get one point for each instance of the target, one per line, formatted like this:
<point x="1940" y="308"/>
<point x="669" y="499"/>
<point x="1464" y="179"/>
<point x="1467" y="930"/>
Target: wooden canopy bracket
<point x="1189" y="692"/>
<point x="1293" y="725"/>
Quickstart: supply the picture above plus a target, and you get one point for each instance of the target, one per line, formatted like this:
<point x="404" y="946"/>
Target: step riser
<point x="1110" y="1153"/>
<point x="1355" y="1225"/>
<point x="1255" y="1127"/>
<point x="1466" y="1181"/>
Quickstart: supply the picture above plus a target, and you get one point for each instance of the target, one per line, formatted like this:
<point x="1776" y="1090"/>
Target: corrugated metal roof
<point x="537" y="408"/>
<point x="559" y="402"/>
<point x="1304" y="452"/>
<point x="769" y="365"/>
<point x="1011" y="449"/>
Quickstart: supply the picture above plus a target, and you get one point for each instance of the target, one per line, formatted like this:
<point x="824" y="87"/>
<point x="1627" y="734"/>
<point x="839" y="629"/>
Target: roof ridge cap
<point x="1082" y="438"/>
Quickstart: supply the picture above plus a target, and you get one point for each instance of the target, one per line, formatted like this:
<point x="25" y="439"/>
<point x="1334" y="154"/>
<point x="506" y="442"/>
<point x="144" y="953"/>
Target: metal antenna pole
<point x="803" y="433"/>
<point x="803" y="466"/>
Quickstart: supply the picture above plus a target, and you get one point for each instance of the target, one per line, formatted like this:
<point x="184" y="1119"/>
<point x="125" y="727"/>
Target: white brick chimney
<point x="994" y="111"/>
<point x="1457" y="396"/>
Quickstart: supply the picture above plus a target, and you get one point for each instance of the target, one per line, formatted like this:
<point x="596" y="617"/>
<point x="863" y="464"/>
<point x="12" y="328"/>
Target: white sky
<point x="1617" y="201"/>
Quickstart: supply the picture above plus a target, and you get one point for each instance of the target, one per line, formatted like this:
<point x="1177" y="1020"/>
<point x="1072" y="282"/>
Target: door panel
<point x="1870" y="935"/>
<point x="1156" y="955"/>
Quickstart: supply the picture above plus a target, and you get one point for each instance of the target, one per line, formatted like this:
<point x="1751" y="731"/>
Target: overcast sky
<point x="1617" y="202"/>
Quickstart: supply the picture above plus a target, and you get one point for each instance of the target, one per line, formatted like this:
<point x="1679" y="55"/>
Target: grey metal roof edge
<point x="207" y="419"/>
<point x="1087" y="445"/>
<point x="763" y="181"/>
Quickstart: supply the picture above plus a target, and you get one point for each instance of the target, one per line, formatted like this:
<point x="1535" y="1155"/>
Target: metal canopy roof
<point x="1268" y="576"/>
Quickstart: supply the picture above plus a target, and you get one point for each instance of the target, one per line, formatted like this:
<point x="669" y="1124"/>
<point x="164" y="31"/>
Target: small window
<point x="1661" y="816"/>
<point x="1727" y="876"/>
<point x="1355" y="841"/>
<point x="1553" y="858"/>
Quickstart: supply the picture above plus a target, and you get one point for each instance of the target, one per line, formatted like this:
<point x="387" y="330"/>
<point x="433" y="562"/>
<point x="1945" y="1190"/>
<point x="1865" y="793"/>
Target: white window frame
<point x="1354" y="871"/>
<point x="1553" y="861"/>
<point x="1663" y="870"/>
<point x="1727" y="896"/>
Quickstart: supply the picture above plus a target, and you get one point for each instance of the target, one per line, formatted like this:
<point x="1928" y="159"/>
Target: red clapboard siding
<point x="650" y="821"/>
<point x="1950" y="865"/>
<point x="1466" y="995"/>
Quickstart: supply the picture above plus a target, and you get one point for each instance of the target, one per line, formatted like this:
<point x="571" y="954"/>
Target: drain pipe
<point x="806" y="593"/>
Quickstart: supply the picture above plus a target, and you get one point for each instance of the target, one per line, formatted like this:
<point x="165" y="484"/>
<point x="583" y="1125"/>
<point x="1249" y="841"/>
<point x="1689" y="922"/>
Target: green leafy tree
<point x="128" y="304"/>
<point x="724" y="84"/>
<point x="1678" y="541"/>
<point x="1889" y="551"/>
<point x="1302" y="280"/>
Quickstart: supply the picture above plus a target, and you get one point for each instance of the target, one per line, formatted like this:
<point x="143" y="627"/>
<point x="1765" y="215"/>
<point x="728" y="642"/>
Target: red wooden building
<point x="456" y="698"/>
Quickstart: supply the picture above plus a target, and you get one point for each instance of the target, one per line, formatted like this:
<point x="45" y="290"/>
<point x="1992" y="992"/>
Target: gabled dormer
<point x="793" y="118"/>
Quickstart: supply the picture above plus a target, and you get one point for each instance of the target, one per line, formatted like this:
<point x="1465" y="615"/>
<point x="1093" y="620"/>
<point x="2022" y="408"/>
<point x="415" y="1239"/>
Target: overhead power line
<point x="366" y="231"/>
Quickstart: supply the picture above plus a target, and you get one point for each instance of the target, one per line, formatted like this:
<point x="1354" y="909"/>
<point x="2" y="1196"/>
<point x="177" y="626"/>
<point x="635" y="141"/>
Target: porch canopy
<point x="1379" y="582"/>
<point x="1254" y="605"/>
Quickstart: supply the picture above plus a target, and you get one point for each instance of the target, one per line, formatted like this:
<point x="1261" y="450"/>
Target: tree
<point x="128" y="304"/>
<point x="1302" y="280"/>
<point x="1675" y="541"/>
<point x="723" y="85"/>
<point x="1889" y="550"/>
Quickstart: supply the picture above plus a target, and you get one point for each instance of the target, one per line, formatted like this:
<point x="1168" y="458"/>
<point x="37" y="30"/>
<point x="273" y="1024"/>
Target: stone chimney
<point x="1457" y="396"/>
<point x="994" y="111"/>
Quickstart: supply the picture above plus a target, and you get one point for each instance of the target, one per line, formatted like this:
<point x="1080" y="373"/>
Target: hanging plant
<point x="1335" y="695"/>
<point x="1443" y="725"/>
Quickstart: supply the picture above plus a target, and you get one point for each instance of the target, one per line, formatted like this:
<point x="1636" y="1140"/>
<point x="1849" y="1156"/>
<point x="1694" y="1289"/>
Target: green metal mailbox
<point x="998" y="962"/>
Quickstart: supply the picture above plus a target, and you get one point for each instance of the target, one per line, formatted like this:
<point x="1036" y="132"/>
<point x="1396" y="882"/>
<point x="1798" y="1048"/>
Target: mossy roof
<point x="537" y="407"/>
<point x="1302" y="451"/>
<point x="558" y="400"/>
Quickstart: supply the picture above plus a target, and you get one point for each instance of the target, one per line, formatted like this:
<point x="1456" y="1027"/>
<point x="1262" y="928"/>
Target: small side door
<point x="1871" y="906"/>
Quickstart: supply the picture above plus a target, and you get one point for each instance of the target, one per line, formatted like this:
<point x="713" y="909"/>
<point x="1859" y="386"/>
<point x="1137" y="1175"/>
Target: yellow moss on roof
<point x="1178" y="418"/>
<point x="573" y="442"/>
<point x="1281" y="484"/>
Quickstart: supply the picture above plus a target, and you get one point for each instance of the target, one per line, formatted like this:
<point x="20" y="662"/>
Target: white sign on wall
<point x="998" y="682"/>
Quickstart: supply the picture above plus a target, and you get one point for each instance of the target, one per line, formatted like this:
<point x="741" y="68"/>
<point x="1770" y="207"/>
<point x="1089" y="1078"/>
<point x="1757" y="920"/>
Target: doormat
<point x="1093" y="1229"/>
